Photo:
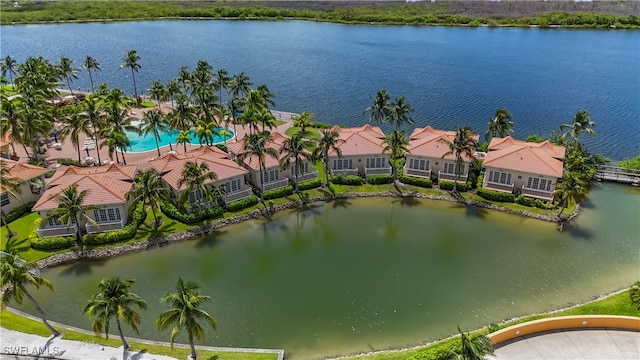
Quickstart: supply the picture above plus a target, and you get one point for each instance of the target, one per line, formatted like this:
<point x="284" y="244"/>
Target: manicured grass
<point x="518" y="207"/>
<point x="20" y="243"/>
<point x="11" y="321"/>
<point x="311" y="133"/>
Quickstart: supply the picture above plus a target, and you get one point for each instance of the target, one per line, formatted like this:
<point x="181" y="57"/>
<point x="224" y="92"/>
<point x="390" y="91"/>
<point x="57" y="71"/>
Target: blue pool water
<point x="143" y="143"/>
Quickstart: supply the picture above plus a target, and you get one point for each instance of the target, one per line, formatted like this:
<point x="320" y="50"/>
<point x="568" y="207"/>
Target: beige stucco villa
<point x="362" y="152"/>
<point x="30" y="180"/>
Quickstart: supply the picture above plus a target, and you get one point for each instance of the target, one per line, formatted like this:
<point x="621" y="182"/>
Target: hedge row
<point x="128" y="232"/>
<point x="278" y="193"/>
<point x="242" y="203"/>
<point x="347" y="180"/>
<point x="65" y="161"/>
<point x="19" y="211"/>
<point x="444" y="351"/>
<point x="494" y="195"/>
<point x="310" y="184"/>
<point x="448" y="185"/>
<point x="174" y="213"/>
<point x="380" y="179"/>
<point x="531" y="202"/>
<point x="48" y="243"/>
<point x="416" y="181"/>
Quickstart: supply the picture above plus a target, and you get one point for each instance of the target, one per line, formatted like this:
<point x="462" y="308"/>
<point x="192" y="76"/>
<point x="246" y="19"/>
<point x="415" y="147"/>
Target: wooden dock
<point x="617" y="174"/>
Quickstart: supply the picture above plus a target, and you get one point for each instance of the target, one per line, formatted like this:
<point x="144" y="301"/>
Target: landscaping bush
<point x="242" y="203"/>
<point x="525" y="200"/>
<point x="65" y="161"/>
<point x="543" y="204"/>
<point x="19" y="211"/>
<point x="416" y="181"/>
<point x="137" y="217"/>
<point x="448" y="185"/>
<point x="380" y="179"/>
<point x="444" y="351"/>
<point x="495" y="195"/>
<point x="480" y="181"/>
<point x="320" y="125"/>
<point x="347" y="180"/>
<point x="310" y="184"/>
<point x="278" y="193"/>
<point x="174" y="213"/>
<point x="48" y="243"/>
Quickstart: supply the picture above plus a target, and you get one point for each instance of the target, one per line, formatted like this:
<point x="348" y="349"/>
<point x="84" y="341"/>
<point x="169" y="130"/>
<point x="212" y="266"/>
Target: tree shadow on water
<point x="475" y="211"/>
<point x="341" y="202"/>
<point x="83" y="267"/>
<point x="587" y="204"/>
<point x="211" y="239"/>
<point x="409" y="201"/>
<point x="576" y="231"/>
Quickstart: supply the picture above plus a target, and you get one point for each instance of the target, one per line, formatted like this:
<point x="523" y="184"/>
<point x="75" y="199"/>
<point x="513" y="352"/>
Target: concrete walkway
<point x="597" y="344"/>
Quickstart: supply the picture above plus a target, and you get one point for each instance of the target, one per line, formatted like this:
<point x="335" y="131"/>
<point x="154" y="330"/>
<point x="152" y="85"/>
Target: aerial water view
<point x="308" y="180"/>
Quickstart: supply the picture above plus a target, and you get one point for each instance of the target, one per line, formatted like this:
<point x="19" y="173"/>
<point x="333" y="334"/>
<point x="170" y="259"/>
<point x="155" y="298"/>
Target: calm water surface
<point x="451" y="76"/>
<point x="365" y="274"/>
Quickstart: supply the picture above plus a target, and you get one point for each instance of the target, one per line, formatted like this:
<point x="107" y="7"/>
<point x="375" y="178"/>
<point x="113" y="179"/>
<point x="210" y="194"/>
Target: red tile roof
<point x="430" y="142"/>
<point x="539" y="158"/>
<point x="363" y="140"/>
<point x="22" y="171"/>
<point x="276" y="143"/>
<point x="170" y="167"/>
<point x="105" y="184"/>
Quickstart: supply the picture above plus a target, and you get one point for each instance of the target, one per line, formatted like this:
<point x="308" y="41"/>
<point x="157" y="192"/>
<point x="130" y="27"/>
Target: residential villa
<point x="230" y="175"/>
<point x="5" y="143"/>
<point x="30" y="180"/>
<point x="107" y="187"/>
<point x="532" y="167"/>
<point x="273" y="177"/>
<point x="426" y="149"/>
<point x="362" y="152"/>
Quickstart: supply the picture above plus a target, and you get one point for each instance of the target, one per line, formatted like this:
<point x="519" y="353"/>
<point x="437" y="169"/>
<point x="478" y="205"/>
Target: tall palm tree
<point x="121" y="142"/>
<point x="17" y="274"/>
<point x="11" y="119"/>
<point x="235" y="104"/>
<point x="266" y="118"/>
<point x="581" y="123"/>
<point x="221" y="82"/>
<point x="239" y="85"/>
<point x="329" y="140"/>
<point x="183" y="115"/>
<point x="195" y="177"/>
<point x="379" y="111"/>
<point x="71" y="210"/>
<point x="250" y="117"/>
<point x="396" y="145"/>
<point x="202" y="90"/>
<point x="92" y="111"/>
<point x="111" y="144"/>
<point x="399" y="112"/>
<point x="205" y="131"/>
<point x="153" y="122"/>
<point x="634" y="294"/>
<point x="302" y="121"/>
<point x="571" y="190"/>
<point x="91" y="64"/>
<point x="130" y="60"/>
<point x="8" y="65"/>
<point x="150" y="190"/>
<point x="267" y="95"/>
<point x="67" y="71"/>
<point x="294" y="149"/>
<point x="500" y="125"/>
<point x="12" y="186"/>
<point x="225" y="134"/>
<point x="184" y="313"/>
<point x="474" y="347"/>
<point x="463" y="144"/>
<point x="257" y="145"/>
<point x="75" y="124"/>
<point x="184" y="138"/>
<point x="114" y="299"/>
<point x="158" y="92"/>
<point x="173" y="90"/>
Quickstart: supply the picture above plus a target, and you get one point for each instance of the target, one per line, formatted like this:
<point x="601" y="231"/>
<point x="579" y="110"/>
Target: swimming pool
<point x="143" y="143"/>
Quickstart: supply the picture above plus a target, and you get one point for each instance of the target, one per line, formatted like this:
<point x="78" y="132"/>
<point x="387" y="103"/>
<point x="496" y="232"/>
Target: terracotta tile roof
<point x="170" y="167"/>
<point x="6" y="139"/>
<point x="363" y="140"/>
<point x="538" y="158"/>
<point x="22" y="171"/>
<point x="276" y="144"/>
<point x="429" y="142"/>
<point x="105" y="184"/>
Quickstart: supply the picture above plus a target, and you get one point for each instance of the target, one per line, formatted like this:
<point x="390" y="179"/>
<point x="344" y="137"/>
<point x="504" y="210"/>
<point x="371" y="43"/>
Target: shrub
<point x="174" y="213"/>
<point x="444" y="351"/>
<point x="525" y="200"/>
<point x="320" y="125"/>
<point x="48" y="243"/>
<point x="65" y="161"/>
<point x="242" y="203"/>
<point x="416" y="181"/>
<point x="448" y="185"/>
<point x="495" y="195"/>
<point x="380" y="179"/>
<point x="310" y="184"/>
<point x="347" y="180"/>
<point x="19" y="211"/>
<point x="278" y="193"/>
<point x="480" y="181"/>
<point x="137" y="217"/>
<point x="543" y="204"/>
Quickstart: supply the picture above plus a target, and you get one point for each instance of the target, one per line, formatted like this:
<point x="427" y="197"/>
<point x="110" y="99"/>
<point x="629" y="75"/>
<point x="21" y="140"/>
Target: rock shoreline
<point x="71" y="256"/>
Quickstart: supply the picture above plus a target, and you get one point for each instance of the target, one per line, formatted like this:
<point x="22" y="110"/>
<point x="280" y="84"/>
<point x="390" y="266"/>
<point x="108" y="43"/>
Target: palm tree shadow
<point x="137" y="356"/>
<point x="84" y="267"/>
<point x="587" y="204"/>
<point x="211" y="239"/>
<point x="328" y="191"/>
<point x="342" y="202"/>
<point x="167" y="227"/>
<point x="475" y="211"/>
<point x="576" y="231"/>
<point x="409" y="201"/>
<point x="16" y="246"/>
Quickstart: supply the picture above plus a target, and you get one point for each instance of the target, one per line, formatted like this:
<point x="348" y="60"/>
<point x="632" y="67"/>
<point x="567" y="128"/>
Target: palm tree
<point x="235" y="104"/>
<point x="397" y="146"/>
<point x="184" y="313"/>
<point x="17" y="274"/>
<point x="195" y="177"/>
<point x="130" y="60"/>
<point x="571" y="190"/>
<point x="329" y="140"/>
<point x="222" y="81"/>
<point x="399" y="112"/>
<point x="634" y="294"/>
<point x="379" y="110"/>
<point x="202" y="89"/>
<point x="295" y="149"/>
<point x="111" y="143"/>
<point x="581" y="123"/>
<point x="91" y="64"/>
<point x="71" y="210"/>
<point x="266" y="95"/>
<point x="12" y="186"/>
<point x="302" y="121"/>
<point x="250" y="117"/>
<point x="92" y="111"/>
<point x="121" y="142"/>
<point x="76" y="123"/>
<point x="8" y="65"/>
<point x="463" y="144"/>
<point x="257" y="145"/>
<point x="173" y="90"/>
<point x="500" y="125"/>
<point x="150" y="190"/>
<point x="474" y="347"/>
<point x="153" y="122"/>
<point x="205" y="131"/>
<point x="239" y="85"/>
<point x="158" y="92"/>
<point x="11" y="120"/>
<point x="67" y="71"/>
<point x="184" y="138"/>
<point x="183" y="115"/>
<point x="114" y="299"/>
<point x="225" y="134"/>
<point x="267" y="120"/>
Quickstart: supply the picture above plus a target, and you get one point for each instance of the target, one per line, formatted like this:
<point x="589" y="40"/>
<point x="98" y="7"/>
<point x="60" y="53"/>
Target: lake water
<point x="451" y="76"/>
<point x="368" y="274"/>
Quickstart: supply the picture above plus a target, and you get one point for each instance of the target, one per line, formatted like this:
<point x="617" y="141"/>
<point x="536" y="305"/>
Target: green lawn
<point x="20" y="243"/>
<point x="312" y="133"/>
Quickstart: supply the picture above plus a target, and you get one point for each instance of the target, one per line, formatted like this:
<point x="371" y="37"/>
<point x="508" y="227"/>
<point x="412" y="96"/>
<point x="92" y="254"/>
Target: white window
<point x="419" y="164"/>
<point x="539" y="184"/>
<point x="377" y="162"/>
<point x="196" y="196"/>
<point x="106" y="215"/>
<point x="295" y="170"/>
<point x="449" y="168"/>
<point x="54" y="222"/>
<point x="270" y="176"/>
<point x="4" y="199"/>
<point x="499" y="177"/>
<point x="339" y="164"/>
<point x="232" y="186"/>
